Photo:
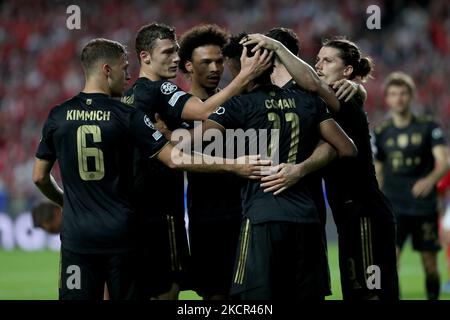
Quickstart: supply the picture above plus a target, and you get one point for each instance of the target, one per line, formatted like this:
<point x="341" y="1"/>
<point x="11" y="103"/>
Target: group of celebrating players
<point x="256" y="228"/>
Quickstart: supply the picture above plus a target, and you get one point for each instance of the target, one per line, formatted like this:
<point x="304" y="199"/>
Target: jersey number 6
<point x="85" y="152"/>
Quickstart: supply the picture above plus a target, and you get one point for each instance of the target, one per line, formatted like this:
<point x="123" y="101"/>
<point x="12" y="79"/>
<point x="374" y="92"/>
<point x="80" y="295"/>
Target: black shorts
<point x="83" y="276"/>
<point x="278" y="261"/>
<point x="367" y="257"/>
<point x="423" y="229"/>
<point x="213" y="249"/>
<point x="164" y="253"/>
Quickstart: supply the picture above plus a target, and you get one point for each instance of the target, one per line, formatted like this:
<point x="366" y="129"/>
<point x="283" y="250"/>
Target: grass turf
<point x="34" y="275"/>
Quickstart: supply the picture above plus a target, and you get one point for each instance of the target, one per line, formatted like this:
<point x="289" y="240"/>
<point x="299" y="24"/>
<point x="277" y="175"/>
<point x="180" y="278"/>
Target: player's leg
<point x="106" y="293"/>
<point x="355" y="257"/>
<point x="253" y="265"/>
<point x="174" y="255"/>
<point x="213" y="250"/>
<point x="180" y="255"/>
<point x="426" y="241"/>
<point x="446" y="287"/>
<point x="156" y="265"/>
<point x="82" y="276"/>
<point x="404" y="228"/>
<point x="172" y="294"/>
<point x="385" y="259"/>
<point x="121" y="277"/>
<point x="367" y="251"/>
<point x="432" y="277"/>
<point x="355" y="250"/>
<point x="306" y="255"/>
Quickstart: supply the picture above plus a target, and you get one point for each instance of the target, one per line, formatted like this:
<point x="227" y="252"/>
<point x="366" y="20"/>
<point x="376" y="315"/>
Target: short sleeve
<point x="322" y="111"/>
<point x="148" y="140"/>
<point x="436" y="134"/>
<point x="46" y="149"/>
<point x="172" y="97"/>
<point x="145" y="100"/>
<point x="231" y="114"/>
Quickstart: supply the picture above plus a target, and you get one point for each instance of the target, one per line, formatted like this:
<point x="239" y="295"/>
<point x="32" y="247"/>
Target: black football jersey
<point x="152" y="178"/>
<point x="93" y="137"/>
<point x="406" y="154"/>
<point x="294" y="117"/>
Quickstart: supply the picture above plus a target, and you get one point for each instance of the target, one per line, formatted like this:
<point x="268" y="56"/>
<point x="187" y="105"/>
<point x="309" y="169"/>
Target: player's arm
<point x="335" y="136"/>
<point x="290" y="174"/>
<point x="379" y="171"/>
<point x="180" y="157"/>
<point x="424" y="186"/>
<point x="43" y="179"/>
<point x="303" y="74"/>
<point x="195" y="109"/>
<point x="251" y="167"/>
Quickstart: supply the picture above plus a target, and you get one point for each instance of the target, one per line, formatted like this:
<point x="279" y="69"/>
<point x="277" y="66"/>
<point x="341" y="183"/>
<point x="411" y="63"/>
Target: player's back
<point x="93" y="150"/>
<point x="296" y="117"/>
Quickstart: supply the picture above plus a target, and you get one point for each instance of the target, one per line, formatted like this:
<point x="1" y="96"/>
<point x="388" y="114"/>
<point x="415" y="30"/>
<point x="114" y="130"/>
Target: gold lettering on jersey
<point x="397" y="160"/>
<point x="93" y="115"/>
<point x="128" y="99"/>
<point x="402" y="140"/>
<point x="416" y="139"/>
<point x="409" y="162"/>
<point x="280" y="103"/>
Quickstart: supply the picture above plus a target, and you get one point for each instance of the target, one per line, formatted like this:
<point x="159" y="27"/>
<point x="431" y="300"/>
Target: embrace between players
<point x="251" y="236"/>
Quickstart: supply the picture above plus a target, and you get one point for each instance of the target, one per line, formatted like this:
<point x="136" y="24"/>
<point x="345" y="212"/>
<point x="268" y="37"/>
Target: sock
<point x="433" y="286"/>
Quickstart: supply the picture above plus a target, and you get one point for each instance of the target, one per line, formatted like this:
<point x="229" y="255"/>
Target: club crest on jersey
<point x="168" y="88"/>
<point x="437" y="133"/>
<point x="403" y="140"/>
<point x="148" y="122"/>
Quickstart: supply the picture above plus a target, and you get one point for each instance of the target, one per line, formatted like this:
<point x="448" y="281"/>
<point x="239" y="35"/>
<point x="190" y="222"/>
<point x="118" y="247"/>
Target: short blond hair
<point x="399" y="78"/>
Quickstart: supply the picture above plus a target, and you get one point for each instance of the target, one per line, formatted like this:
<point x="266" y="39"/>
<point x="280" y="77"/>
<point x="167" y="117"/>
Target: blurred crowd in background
<point x="39" y="56"/>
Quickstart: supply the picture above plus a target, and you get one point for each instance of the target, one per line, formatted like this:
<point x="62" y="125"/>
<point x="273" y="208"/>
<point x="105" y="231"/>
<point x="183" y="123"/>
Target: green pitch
<point x="34" y="275"/>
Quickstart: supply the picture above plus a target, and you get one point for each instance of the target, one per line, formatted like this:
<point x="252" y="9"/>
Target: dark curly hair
<point x="208" y="34"/>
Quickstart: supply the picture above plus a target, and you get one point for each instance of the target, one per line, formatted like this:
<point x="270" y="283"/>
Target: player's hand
<point x="161" y="126"/>
<point x="345" y="89"/>
<point x="253" y="67"/>
<point x="422" y="188"/>
<point x="261" y="41"/>
<point x="286" y="176"/>
<point x="252" y="167"/>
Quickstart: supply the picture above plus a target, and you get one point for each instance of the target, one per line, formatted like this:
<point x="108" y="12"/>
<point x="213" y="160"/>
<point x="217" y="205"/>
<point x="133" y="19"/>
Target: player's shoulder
<point x="424" y="119"/>
<point x="122" y="107"/>
<point x="61" y="108"/>
<point x="128" y="97"/>
<point x="383" y="126"/>
<point x="162" y="86"/>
